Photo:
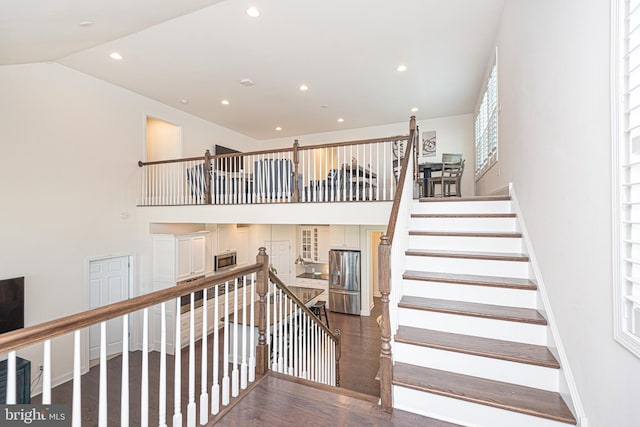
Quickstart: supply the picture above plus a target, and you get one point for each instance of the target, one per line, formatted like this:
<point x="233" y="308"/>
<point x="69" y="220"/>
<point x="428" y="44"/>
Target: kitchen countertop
<point x="311" y="276"/>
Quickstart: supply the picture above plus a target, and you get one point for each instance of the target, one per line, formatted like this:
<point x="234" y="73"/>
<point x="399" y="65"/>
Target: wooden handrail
<point x="54" y="328"/>
<point x="384" y="279"/>
<point x="281" y="150"/>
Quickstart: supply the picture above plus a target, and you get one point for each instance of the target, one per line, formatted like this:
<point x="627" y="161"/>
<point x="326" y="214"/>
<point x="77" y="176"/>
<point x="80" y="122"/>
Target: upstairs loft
<point x="278" y="186"/>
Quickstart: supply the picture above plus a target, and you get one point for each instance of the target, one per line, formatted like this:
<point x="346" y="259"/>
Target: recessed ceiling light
<point x="324" y="106"/>
<point x="224" y="102"/>
<point x="86" y="23"/>
<point x="304" y="87"/>
<point x="115" y="55"/>
<point x="252" y="12"/>
<point x="340" y="120"/>
<point x="278" y="128"/>
<point x="184" y="101"/>
<point x="247" y="82"/>
<point x="401" y="68"/>
<point x="414" y="109"/>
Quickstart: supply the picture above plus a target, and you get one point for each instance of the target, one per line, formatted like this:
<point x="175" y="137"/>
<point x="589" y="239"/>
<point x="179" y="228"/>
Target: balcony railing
<point x="365" y="170"/>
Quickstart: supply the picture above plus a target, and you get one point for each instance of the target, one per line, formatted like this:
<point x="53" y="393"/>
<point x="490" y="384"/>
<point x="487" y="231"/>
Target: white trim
<point x="552" y="327"/>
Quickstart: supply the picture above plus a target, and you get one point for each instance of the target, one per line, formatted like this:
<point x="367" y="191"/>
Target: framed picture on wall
<point x="427" y="146"/>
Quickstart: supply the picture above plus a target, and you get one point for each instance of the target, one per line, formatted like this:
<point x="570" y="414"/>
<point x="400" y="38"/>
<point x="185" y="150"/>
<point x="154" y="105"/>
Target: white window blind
<point x="626" y="172"/>
<point x="486" y="126"/>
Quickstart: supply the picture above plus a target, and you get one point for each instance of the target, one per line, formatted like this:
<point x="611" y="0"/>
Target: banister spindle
<point x="204" y="396"/>
<point x="162" y="386"/>
<point x="235" y="379"/>
<point x="245" y="336"/>
<point x="46" y="374"/>
<point x="215" y="387"/>
<point x="76" y="411"/>
<point x="124" y="384"/>
<point x="11" y="378"/>
<point x="225" y="351"/>
<point x="191" y="405"/>
<point x="144" y="386"/>
<point x="252" y="345"/>
<point x="177" y="374"/>
<point x="102" y="403"/>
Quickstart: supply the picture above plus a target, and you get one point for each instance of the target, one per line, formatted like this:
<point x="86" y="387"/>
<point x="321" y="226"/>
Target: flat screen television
<point x="11" y="304"/>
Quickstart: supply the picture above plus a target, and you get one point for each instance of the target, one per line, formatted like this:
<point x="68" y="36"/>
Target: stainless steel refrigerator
<point x="344" y="281"/>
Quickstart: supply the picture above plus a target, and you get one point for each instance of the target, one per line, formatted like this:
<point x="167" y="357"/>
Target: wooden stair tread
<point x="470" y="279"/>
<point x="512" y="397"/>
<point x="492" y="256"/>
<point x="465" y="199"/>
<point x="465" y="234"/>
<point x="464" y="215"/>
<point x="498" y="312"/>
<point x="478" y="346"/>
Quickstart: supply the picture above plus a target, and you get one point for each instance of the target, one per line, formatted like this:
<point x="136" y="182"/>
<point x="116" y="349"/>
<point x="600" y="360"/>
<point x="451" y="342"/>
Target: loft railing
<point x="236" y="322"/>
<point x="391" y="265"/>
<point x="363" y="170"/>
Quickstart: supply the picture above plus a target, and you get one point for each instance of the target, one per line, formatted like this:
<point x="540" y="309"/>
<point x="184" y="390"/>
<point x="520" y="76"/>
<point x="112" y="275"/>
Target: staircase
<point x="471" y="343"/>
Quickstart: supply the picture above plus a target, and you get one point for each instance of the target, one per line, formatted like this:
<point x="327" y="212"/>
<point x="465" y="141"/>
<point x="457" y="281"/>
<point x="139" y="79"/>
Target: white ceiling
<point x="345" y="51"/>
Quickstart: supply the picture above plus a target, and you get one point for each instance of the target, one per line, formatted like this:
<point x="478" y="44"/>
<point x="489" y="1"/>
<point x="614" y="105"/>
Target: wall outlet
<point x="498" y="170"/>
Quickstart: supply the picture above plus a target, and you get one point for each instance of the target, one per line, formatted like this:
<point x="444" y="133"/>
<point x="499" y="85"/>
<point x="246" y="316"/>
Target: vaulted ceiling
<point x="193" y="54"/>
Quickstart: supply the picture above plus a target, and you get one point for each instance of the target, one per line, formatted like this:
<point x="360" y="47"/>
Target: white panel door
<point x="108" y="283"/>
<point x="280" y="257"/>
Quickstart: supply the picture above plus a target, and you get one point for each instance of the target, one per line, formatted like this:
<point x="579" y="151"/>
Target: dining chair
<point x="452" y="170"/>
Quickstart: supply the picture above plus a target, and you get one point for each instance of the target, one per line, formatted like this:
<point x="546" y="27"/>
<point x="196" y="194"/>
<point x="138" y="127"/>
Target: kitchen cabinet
<point x="178" y="257"/>
<point x="314" y="243"/>
<point x="226" y="238"/>
<point x="190" y="256"/>
<point x="344" y="236"/>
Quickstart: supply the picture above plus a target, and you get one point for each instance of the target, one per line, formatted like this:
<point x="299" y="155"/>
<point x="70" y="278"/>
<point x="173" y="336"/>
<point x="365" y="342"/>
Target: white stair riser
<point x="470" y="325"/>
<point x="476" y="366"/>
<point x="494" y="206"/>
<point x="505" y="225"/>
<point x="474" y="244"/>
<point x="464" y="413"/>
<point x="516" y="269"/>
<point x="471" y="293"/>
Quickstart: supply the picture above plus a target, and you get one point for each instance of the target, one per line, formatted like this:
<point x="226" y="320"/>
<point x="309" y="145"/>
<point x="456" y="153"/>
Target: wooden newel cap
<point x="384" y="239"/>
<point x="262" y="250"/>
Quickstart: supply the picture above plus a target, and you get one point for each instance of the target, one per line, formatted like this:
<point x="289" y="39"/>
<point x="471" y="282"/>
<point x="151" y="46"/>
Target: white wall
<point x="555" y="148"/>
<point x="68" y="168"/>
<point x="454" y="135"/>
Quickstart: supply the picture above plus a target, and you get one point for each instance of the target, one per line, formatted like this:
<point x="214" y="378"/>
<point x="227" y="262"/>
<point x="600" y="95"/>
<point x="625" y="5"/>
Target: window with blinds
<point x="626" y="172"/>
<point x="486" y="126"/>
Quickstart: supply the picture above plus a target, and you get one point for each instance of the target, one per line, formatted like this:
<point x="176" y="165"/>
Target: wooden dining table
<point x="426" y="169"/>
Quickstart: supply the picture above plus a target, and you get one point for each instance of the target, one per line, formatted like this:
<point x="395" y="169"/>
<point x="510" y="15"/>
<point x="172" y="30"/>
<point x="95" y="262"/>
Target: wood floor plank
<point x="491" y="256"/>
<point x="464" y="234"/>
<point x="526" y="400"/>
<point x="278" y="402"/>
<point x="478" y="346"/>
<point x="464" y="199"/>
<point x="498" y="312"/>
<point x="470" y="279"/>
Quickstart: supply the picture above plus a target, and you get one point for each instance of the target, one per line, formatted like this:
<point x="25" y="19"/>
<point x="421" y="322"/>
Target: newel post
<point x="386" y="361"/>
<point x="262" y="286"/>
<point x="296" y="189"/>
<point x="338" y="334"/>
<point x="207" y="177"/>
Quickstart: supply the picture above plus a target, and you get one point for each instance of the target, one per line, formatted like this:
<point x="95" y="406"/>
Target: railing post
<point x="338" y="333"/>
<point x="296" y="189"/>
<point x="386" y="361"/>
<point x="207" y="177"/>
<point x="262" y="286"/>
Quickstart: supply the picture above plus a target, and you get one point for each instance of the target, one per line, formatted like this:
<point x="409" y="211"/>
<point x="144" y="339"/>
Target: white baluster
<point x="383" y="177"/>
<point x="11" y="378"/>
<point x="225" y="351"/>
<point x="76" y="414"/>
<point x="204" y="396"/>
<point x="291" y="337"/>
<point x="276" y="321"/>
<point x="285" y="335"/>
<point x="46" y="374"/>
<point x="124" y="398"/>
<point x="144" y="388"/>
<point x="235" y="380"/>
<point x="296" y="343"/>
<point x="177" y="371"/>
<point x="215" y="387"/>
<point x="280" y="332"/>
<point x="303" y="373"/>
<point x="245" y="336"/>
<point x="252" y="346"/>
<point x="384" y="163"/>
<point x="191" y="405"/>
<point x="102" y="404"/>
<point x="162" y="386"/>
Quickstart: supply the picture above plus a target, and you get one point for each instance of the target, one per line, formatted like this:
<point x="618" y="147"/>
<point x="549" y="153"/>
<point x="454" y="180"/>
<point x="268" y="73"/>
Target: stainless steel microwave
<point x="225" y="261"/>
